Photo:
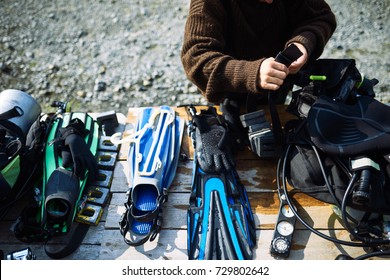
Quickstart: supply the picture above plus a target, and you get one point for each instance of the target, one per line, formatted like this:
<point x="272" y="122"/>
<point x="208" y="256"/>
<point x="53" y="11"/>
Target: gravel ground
<point x="114" y="54"/>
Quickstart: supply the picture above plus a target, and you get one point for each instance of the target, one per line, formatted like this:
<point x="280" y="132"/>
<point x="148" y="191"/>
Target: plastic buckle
<point x="90" y="214"/>
<point x="97" y="195"/>
<point x="263" y="144"/>
<point x="106" y="160"/>
<point x="104" y="179"/>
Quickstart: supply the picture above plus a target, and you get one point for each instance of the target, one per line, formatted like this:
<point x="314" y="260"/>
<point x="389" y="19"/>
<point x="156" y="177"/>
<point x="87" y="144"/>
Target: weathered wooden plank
<point x="255" y="175"/>
<point x="171" y="245"/>
<point x="264" y="199"/>
<point x="265" y="207"/>
<point x="120" y="179"/>
<point x="124" y="148"/>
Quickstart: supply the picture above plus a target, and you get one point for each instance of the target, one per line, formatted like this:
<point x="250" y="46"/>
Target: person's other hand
<point x="272" y="74"/>
<point x="298" y="64"/>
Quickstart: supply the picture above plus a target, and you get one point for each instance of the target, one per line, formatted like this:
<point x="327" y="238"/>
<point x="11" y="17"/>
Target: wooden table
<point x="105" y="242"/>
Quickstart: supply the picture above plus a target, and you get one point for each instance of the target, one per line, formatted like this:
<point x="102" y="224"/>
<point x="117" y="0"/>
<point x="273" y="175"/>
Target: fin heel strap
<point x="126" y="221"/>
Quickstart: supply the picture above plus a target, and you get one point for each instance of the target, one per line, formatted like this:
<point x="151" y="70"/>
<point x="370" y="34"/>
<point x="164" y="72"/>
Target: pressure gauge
<point x="280" y="246"/>
<point x="286" y="211"/>
<point x="285" y="228"/>
<point x="284" y="231"/>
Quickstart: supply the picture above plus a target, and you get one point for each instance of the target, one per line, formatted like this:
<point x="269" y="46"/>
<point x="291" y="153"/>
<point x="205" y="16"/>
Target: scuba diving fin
<point x="153" y="159"/>
<point x="69" y="161"/>
<point x="220" y="220"/>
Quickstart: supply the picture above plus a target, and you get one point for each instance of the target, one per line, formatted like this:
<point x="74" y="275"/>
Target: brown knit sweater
<point x="225" y="41"/>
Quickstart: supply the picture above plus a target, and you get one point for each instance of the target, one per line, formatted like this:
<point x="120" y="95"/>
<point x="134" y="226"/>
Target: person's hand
<point x="298" y="64"/>
<point x="272" y="74"/>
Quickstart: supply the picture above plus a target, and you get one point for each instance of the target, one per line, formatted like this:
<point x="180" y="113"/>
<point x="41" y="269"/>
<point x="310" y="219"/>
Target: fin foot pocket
<point x="61" y="196"/>
<point x="145" y="197"/>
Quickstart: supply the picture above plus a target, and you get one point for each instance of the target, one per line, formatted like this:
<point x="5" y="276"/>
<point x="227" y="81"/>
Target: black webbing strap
<point x="11" y="113"/>
<point x="9" y="126"/>
<point x="155" y="217"/>
<point x="126" y="222"/>
<point x="276" y="124"/>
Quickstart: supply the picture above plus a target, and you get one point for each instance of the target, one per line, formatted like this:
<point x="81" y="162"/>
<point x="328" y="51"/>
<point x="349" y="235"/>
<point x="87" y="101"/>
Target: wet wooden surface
<point x="105" y="242"/>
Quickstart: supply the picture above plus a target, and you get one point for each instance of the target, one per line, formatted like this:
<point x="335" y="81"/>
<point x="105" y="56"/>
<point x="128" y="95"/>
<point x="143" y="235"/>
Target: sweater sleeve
<point x="206" y="65"/>
<point x="314" y="24"/>
<point x="216" y="73"/>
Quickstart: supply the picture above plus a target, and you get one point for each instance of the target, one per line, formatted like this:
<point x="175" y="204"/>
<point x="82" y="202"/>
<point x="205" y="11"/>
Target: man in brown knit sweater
<point x="229" y="45"/>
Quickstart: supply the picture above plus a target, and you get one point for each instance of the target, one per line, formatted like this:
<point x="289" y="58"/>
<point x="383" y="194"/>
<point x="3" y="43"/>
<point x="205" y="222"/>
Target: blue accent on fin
<point x="153" y="159"/>
<point x="220" y="221"/>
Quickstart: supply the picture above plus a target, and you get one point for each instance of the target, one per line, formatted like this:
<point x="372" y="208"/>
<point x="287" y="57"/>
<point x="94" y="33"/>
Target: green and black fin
<point x="62" y="190"/>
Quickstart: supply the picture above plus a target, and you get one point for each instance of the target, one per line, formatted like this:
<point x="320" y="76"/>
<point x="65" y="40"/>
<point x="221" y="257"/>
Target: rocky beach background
<point x="105" y="55"/>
